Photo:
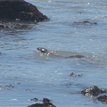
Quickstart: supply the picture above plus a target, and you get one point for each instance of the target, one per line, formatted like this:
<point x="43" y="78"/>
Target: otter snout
<point x="43" y="50"/>
<point x="38" y="49"/>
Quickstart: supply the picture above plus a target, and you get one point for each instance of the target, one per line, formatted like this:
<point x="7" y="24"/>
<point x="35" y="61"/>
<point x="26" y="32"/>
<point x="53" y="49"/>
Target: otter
<point x="45" y="51"/>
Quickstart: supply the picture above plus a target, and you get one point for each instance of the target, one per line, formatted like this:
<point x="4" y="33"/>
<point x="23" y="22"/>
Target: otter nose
<point x="38" y="48"/>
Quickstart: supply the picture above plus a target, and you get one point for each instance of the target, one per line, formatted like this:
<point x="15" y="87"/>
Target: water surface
<point x="26" y="74"/>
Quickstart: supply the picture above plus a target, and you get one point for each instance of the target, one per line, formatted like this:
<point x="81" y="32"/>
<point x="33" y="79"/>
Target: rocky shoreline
<point x="95" y="91"/>
<point x="18" y="11"/>
<point x="46" y="103"/>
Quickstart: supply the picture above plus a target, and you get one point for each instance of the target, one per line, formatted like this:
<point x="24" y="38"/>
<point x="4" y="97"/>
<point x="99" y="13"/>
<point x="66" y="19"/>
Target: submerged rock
<point x="3" y="24"/>
<point x="92" y="91"/>
<point x="36" y="100"/>
<point x="13" y="25"/>
<point x="74" y="75"/>
<point x="86" y="23"/>
<point x="103" y="98"/>
<point x="46" y="103"/>
<point x="7" y="87"/>
<point x="20" y="10"/>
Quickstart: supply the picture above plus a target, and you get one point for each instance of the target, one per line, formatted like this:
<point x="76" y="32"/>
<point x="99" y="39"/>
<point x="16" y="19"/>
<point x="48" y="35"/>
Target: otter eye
<point x="43" y="50"/>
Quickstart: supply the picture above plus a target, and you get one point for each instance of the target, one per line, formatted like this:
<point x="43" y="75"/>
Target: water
<point x="26" y="74"/>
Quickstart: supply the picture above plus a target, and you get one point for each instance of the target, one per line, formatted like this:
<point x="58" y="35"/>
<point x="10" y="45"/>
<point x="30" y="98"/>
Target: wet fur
<point x="45" y="51"/>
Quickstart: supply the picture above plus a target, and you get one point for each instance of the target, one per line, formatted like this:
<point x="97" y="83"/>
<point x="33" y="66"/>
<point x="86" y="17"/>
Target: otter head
<point x="43" y="50"/>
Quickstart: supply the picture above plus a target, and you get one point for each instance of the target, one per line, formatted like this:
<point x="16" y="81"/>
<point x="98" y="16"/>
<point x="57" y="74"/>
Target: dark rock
<point x="12" y="25"/>
<point x="86" y="23"/>
<point x="3" y="24"/>
<point x="20" y="10"/>
<point x="34" y="99"/>
<point x="102" y="98"/>
<point x="10" y="86"/>
<point x="46" y="103"/>
<point x="74" y="75"/>
<point x="28" y="90"/>
<point x="92" y="91"/>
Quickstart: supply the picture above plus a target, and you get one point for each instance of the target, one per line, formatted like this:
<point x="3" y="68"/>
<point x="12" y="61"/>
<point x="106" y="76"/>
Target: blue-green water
<point x="38" y="76"/>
